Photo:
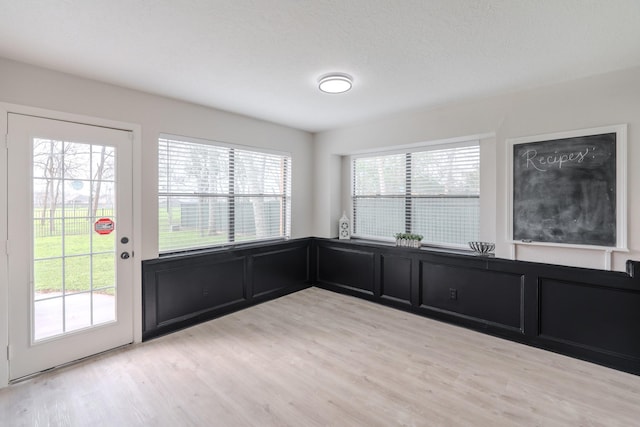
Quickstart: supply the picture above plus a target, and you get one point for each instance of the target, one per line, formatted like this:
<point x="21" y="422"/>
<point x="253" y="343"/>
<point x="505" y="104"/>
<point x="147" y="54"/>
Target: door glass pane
<point x="74" y="261"/>
<point x="77" y="161"/>
<point x="77" y="311"/>
<point x="104" y="305"/>
<point x="77" y="274"/>
<point x="103" y="165"/>
<point x="48" y="318"/>
<point x="103" y="271"/>
<point x="47" y="278"/>
<point x="77" y="236"/>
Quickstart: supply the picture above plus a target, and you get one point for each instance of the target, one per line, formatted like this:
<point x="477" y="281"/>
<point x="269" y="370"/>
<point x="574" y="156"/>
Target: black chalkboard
<point x="564" y="190"/>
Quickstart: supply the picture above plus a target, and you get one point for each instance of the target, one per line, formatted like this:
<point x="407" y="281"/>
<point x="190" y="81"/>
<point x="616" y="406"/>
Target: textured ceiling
<point x="262" y="58"/>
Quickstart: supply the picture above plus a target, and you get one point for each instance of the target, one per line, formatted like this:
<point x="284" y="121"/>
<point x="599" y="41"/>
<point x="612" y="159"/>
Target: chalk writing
<point x="547" y="161"/>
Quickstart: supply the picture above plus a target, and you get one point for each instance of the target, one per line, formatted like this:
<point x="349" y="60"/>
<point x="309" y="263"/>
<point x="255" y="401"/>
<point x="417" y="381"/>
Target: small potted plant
<point x="408" y="240"/>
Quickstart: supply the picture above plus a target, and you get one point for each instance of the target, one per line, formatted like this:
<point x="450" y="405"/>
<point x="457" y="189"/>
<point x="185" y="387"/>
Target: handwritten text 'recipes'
<point x="547" y="161"/>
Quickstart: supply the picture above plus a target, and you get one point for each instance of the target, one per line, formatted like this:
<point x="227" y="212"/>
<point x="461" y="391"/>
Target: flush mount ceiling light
<point x="335" y="83"/>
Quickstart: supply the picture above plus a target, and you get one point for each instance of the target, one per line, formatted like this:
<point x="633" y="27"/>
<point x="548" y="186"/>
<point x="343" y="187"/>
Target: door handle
<point x="124" y="255"/>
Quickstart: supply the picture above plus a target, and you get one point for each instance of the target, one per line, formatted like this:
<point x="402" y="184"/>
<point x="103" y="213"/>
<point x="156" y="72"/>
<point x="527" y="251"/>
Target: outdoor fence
<point x="71" y="221"/>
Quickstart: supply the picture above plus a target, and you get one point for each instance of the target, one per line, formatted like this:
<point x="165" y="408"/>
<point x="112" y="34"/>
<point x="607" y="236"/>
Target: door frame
<point x="136" y="130"/>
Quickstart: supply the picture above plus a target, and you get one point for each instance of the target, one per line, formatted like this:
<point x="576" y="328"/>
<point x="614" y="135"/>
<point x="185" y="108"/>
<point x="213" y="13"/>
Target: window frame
<point x="407" y="150"/>
<point x="232" y="196"/>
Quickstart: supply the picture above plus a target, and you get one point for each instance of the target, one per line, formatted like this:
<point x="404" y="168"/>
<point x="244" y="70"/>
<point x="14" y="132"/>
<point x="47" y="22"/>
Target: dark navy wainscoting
<point x="180" y="291"/>
<point x="589" y="314"/>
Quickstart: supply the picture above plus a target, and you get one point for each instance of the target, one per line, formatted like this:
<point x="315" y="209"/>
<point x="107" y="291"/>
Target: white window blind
<point x="433" y="192"/>
<point x="213" y="194"/>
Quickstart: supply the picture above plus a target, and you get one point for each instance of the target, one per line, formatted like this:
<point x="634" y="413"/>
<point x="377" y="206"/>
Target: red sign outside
<point x="104" y="226"/>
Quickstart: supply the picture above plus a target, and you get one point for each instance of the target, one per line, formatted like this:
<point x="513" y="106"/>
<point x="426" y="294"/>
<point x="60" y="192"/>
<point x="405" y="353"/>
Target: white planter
<point x="407" y="243"/>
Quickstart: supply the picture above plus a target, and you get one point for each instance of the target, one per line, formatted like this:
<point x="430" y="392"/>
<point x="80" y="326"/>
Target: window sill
<point x="223" y="248"/>
<point x="423" y="248"/>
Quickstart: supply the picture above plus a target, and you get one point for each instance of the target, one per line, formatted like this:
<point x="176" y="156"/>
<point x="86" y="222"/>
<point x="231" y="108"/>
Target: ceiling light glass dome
<point x="335" y="83"/>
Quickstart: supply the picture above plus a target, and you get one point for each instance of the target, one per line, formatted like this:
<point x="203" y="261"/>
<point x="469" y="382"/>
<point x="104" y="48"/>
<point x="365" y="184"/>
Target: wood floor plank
<point x="316" y="358"/>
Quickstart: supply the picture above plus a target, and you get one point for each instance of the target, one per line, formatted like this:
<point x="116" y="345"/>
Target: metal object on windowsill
<point x="482" y="248"/>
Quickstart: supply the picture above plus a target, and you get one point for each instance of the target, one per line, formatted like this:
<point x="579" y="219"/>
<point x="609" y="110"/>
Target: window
<point x="432" y="191"/>
<point x="212" y="194"/>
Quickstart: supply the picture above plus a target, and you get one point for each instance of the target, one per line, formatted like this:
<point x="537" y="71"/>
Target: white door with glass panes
<point x="70" y="248"/>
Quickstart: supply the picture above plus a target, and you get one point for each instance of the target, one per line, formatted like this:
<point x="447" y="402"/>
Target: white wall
<point x="31" y="86"/>
<point x="608" y="99"/>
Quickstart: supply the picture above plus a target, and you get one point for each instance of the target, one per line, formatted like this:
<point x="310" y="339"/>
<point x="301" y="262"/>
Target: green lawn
<point x="74" y="272"/>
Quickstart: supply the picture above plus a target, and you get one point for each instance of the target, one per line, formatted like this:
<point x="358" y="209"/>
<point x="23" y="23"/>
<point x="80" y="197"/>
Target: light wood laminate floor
<point x="316" y="358"/>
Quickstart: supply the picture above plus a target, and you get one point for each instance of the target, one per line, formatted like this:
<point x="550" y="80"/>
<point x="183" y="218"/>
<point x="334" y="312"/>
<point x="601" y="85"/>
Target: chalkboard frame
<point x="620" y="174"/>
